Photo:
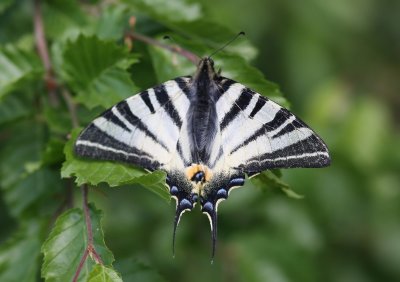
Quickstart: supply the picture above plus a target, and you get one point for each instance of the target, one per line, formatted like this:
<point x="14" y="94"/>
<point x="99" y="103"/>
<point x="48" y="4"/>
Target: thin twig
<point x="175" y="49"/>
<point x="89" y="250"/>
<point x="86" y="211"/>
<point x="88" y="222"/>
<point x="41" y="44"/>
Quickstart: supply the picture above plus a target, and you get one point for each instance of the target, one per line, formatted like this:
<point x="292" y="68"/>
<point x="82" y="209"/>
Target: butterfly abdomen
<point x="202" y="115"/>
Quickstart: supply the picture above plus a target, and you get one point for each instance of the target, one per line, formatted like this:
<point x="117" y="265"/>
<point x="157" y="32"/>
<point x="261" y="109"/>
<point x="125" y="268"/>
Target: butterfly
<point x="207" y="132"/>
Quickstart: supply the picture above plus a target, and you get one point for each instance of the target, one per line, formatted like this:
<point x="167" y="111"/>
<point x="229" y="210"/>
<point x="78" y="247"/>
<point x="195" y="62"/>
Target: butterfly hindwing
<point x="216" y="191"/>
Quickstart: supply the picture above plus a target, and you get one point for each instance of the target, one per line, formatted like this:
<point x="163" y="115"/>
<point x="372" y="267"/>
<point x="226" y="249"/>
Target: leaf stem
<point x="174" y="49"/>
<point x="86" y="211"/>
<point x="80" y="266"/>
<point x="89" y="250"/>
<point x="89" y="231"/>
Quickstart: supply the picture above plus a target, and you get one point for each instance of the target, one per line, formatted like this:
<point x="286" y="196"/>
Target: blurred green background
<point x="338" y="64"/>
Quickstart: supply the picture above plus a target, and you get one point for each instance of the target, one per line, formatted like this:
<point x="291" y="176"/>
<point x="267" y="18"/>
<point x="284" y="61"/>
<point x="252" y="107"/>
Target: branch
<point x="87" y="214"/>
<point x="50" y="77"/>
<point x="52" y="86"/>
<point x="89" y="250"/>
<point x="41" y="44"/>
<point x="174" y="49"/>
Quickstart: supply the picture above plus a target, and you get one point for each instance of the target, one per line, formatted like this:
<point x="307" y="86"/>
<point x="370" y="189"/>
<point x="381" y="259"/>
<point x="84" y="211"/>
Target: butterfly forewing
<point x="258" y="134"/>
<point x="142" y="130"/>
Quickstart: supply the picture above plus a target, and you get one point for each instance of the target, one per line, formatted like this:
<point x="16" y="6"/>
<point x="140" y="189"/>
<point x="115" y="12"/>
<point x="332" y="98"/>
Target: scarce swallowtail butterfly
<point x="207" y="132"/>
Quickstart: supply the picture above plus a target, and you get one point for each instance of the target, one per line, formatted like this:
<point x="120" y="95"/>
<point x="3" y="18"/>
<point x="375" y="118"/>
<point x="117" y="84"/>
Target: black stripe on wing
<point x="260" y="103"/>
<point x="146" y="99"/>
<point x="183" y="85"/>
<point x="124" y="109"/>
<point x="101" y="146"/>
<point x="111" y="117"/>
<point x="239" y="105"/>
<point x="224" y="85"/>
<point x="217" y="158"/>
<point x="309" y="152"/>
<point x="290" y="127"/>
<point x="280" y="118"/>
<point x="181" y="155"/>
<point x="164" y="100"/>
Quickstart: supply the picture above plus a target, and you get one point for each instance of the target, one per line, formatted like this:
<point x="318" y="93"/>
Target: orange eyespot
<point x="198" y="172"/>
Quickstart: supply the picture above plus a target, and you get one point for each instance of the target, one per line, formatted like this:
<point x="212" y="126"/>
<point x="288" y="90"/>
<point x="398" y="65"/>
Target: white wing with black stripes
<point x="142" y="130"/>
<point x="258" y="134"/>
<point x="206" y="132"/>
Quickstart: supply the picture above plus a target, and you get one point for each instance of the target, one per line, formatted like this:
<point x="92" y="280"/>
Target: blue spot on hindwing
<point x="236" y="182"/>
<point x="208" y="207"/>
<point x="222" y="193"/>
<point x="185" y="204"/>
<point x="174" y="190"/>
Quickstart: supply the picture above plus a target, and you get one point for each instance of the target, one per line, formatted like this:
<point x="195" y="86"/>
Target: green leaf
<point x="19" y="256"/>
<point x="110" y="87"/>
<point x="114" y="174"/>
<point x="112" y="22"/>
<point x="177" y="10"/>
<point x="96" y="70"/>
<point x="168" y="66"/>
<point x="238" y="69"/>
<point x="66" y="244"/>
<point x="34" y="189"/>
<point x="17" y="67"/>
<point x="188" y="20"/>
<point x="215" y="36"/>
<point x="4" y="5"/>
<point x="58" y="119"/>
<point x="272" y="180"/>
<point x="64" y="19"/>
<point x="13" y="107"/>
<point x="54" y="152"/>
<point x="26" y="141"/>
<point x="101" y="273"/>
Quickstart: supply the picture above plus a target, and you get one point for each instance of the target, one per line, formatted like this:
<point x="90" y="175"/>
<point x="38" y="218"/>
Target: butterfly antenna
<point x="170" y="38"/>
<point x="226" y="44"/>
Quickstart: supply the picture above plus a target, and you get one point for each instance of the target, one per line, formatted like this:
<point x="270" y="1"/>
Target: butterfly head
<point x="205" y="69"/>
